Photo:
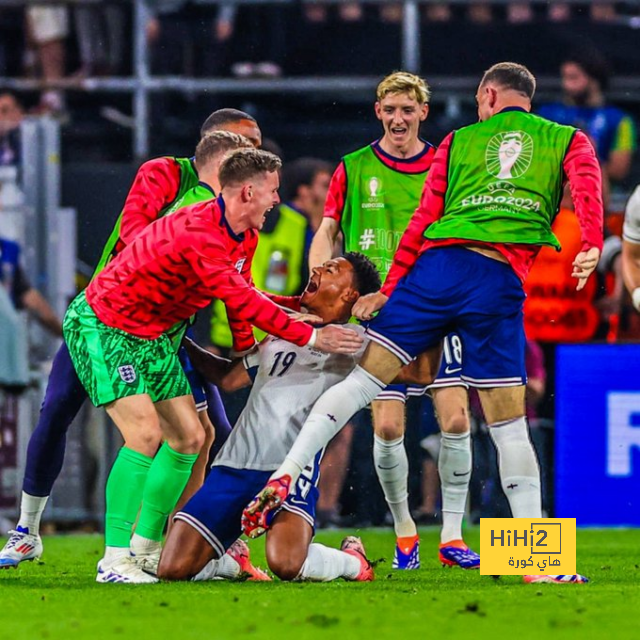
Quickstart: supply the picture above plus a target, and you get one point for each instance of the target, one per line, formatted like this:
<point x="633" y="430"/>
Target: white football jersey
<point x="631" y="228"/>
<point x="288" y="382"/>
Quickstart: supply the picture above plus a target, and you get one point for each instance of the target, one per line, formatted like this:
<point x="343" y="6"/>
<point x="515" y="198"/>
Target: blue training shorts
<point x="195" y="379"/>
<point x="216" y="508"/>
<point x="453" y="289"/>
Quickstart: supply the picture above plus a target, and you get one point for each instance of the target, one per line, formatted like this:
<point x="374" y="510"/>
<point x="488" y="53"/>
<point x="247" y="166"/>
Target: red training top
<point x="176" y="266"/>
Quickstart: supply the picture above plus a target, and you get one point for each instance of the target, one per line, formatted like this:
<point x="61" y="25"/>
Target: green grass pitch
<point x="58" y="598"/>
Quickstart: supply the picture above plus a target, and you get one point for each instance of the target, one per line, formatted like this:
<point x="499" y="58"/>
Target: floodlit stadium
<point x="321" y="315"/>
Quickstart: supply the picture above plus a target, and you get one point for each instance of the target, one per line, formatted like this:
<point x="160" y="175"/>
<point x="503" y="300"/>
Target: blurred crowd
<point x="197" y="38"/>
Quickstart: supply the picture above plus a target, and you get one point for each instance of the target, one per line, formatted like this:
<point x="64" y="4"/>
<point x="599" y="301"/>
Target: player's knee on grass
<point x="176" y="568"/>
<point x="286" y="566"/>
<point x="287" y="545"/>
<point x="185" y="553"/>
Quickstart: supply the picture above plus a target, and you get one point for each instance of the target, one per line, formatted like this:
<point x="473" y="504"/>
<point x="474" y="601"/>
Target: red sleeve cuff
<point x="334" y="203"/>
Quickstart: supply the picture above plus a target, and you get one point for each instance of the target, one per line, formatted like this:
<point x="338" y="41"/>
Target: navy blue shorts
<point x="452" y="289"/>
<point x="196" y="381"/>
<point x="216" y="508"/>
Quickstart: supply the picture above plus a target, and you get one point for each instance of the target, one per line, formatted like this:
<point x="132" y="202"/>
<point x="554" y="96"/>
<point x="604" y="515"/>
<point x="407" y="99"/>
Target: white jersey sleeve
<point x="288" y="382"/>
<point x="631" y="228"/>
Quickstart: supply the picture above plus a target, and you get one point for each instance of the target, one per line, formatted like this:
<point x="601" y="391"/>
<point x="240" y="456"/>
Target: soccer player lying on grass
<point x="116" y="334"/>
<point x="287" y="380"/>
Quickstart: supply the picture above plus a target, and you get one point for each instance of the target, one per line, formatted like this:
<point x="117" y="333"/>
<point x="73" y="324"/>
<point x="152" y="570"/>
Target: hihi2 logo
<point x="525" y="546"/>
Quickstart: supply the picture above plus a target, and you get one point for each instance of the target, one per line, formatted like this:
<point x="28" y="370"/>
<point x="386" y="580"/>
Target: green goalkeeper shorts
<point x="113" y="364"/>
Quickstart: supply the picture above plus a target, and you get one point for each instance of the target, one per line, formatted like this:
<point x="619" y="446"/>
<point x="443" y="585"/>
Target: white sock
<point x="144" y="546"/>
<point x="225" y="567"/>
<point x="324" y="564"/>
<point x="518" y="465"/>
<point x="330" y="413"/>
<point x="454" y="467"/>
<point x="113" y="554"/>
<point x="31" y="508"/>
<point x="392" y="467"/>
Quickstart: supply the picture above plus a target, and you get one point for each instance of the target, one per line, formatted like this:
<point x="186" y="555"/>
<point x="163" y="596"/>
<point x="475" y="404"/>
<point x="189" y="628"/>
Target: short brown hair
<point x="222" y="117"/>
<point x="243" y="164"/>
<point x="218" y="142"/>
<point x="511" y="75"/>
<point x="404" y="82"/>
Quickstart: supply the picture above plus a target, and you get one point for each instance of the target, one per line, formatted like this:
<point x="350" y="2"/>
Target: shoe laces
<point x="14" y="538"/>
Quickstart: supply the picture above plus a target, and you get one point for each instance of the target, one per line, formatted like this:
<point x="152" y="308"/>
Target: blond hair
<point x="218" y="142"/>
<point x="243" y="164"/>
<point x="404" y="82"/>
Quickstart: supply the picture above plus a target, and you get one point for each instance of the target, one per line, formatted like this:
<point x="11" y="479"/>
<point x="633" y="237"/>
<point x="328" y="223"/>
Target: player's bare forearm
<point x="229" y="375"/>
<point x="323" y="242"/>
<point x="619" y="164"/>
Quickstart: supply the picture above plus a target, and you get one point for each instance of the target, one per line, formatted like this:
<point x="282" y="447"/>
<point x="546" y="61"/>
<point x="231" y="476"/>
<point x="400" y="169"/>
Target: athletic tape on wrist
<point x="635" y="298"/>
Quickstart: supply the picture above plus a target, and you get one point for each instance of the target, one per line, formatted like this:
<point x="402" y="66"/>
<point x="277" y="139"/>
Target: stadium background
<point x="307" y="72"/>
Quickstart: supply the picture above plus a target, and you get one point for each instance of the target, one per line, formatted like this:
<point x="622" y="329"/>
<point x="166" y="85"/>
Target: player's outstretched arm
<point x="336" y="339"/>
<point x="323" y="242"/>
<point x="229" y="375"/>
<point x="585" y="181"/>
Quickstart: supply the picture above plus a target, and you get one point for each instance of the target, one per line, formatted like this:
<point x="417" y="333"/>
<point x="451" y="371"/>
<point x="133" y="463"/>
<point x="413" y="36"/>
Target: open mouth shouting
<point x="311" y="288"/>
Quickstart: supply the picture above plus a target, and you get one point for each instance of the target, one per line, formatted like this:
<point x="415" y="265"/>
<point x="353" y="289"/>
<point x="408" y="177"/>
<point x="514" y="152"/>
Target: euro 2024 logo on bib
<point x="509" y="154"/>
<point x="374" y="186"/>
<point x="372" y="192"/>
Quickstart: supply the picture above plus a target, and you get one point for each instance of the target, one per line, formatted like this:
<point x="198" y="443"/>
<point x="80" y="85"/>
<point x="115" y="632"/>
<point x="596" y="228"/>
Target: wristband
<point x="635" y="298"/>
<point x="313" y="338"/>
